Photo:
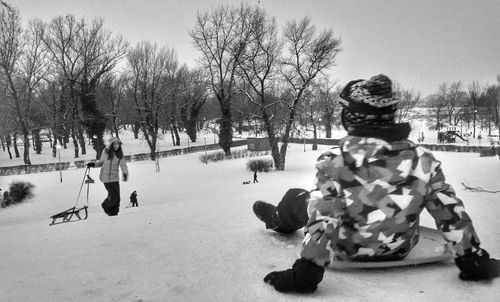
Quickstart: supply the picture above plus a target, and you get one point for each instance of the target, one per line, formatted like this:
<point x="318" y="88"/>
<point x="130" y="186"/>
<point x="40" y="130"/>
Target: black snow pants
<point x="111" y="204"/>
<point x="292" y="210"/>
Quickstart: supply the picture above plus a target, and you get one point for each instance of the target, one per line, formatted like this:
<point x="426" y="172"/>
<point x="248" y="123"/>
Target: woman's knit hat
<point x="369" y="102"/>
<point x="112" y="140"/>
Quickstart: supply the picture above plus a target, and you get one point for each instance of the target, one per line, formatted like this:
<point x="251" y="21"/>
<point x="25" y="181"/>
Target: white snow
<point x="194" y="237"/>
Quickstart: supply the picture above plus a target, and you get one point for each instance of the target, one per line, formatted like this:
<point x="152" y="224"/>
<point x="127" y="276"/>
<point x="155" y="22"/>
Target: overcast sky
<point x="419" y="43"/>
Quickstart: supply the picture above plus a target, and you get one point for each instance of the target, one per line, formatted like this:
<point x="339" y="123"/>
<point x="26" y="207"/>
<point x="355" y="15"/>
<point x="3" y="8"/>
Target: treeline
<point x="75" y="79"/>
<point x="471" y="106"/>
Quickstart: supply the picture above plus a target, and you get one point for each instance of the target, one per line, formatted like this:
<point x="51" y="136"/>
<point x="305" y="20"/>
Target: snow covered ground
<point x="194" y="237"/>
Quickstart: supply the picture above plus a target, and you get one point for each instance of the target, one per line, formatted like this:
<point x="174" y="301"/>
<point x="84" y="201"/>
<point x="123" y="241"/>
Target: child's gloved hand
<point x="91" y="165"/>
<point x="125" y="176"/>
<point x="303" y="277"/>
<point x="478" y="266"/>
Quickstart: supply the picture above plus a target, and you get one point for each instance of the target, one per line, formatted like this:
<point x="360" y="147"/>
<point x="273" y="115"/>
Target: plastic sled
<point x="431" y="248"/>
<point x="65" y="216"/>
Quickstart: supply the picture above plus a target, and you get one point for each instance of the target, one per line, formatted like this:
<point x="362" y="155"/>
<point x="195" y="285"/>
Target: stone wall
<point x="25" y="169"/>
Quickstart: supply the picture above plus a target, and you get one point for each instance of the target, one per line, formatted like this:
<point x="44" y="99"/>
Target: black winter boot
<point x="267" y="213"/>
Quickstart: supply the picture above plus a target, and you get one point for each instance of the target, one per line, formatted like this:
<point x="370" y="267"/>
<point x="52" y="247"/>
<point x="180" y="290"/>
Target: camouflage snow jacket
<point x="368" y="201"/>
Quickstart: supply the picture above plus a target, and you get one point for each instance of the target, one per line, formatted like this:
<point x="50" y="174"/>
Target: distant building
<point x="258" y="144"/>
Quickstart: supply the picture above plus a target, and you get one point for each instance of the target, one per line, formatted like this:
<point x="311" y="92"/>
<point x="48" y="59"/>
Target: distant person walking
<point x="111" y="161"/>
<point x="133" y="199"/>
<point x="6" y="199"/>
<point x="255" y="177"/>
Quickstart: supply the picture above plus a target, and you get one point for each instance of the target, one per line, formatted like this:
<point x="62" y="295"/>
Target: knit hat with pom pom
<point x="368" y="102"/>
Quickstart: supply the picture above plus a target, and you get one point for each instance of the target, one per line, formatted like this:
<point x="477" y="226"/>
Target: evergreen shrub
<point x="19" y="191"/>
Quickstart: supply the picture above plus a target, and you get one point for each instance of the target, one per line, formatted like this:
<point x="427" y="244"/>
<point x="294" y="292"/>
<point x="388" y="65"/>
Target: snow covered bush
<point x="19" y="191"/>
<point x="212" y="156"/>
<point x="260" y="164"/>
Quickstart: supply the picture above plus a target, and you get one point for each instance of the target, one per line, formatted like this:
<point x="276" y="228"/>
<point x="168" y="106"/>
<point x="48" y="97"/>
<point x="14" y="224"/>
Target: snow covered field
<point x="194" y="237"/>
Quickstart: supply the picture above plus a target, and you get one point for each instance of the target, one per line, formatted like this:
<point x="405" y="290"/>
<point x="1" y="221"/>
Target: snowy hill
<point x="194" y="238"/>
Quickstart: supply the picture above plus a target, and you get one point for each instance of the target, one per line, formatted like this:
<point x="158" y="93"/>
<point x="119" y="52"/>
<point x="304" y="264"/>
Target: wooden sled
<point x="430" y="248"/>
<point x="66" y="216"/>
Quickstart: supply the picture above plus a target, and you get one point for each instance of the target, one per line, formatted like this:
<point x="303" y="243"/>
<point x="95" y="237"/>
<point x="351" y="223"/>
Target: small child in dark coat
<point x="133" y="199"/>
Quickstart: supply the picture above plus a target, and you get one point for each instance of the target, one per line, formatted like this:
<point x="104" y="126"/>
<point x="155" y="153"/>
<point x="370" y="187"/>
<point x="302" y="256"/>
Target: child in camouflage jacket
<point x="369" y="197"/>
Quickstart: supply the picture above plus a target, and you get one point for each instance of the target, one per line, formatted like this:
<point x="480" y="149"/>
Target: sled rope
<point x="477" y="188"/>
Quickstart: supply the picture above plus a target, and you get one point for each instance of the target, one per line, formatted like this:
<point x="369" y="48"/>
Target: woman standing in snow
<point x="111" y="161"/>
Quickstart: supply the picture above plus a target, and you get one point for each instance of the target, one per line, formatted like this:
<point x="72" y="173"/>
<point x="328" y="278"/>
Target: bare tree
<point x="112" y="98"/>
<point x="150" y="67"/>
<point x="56" y="111"/>
<point x="172" y="110"/>
<point x="100" y="51"/>
<point x="84" y="53"/>
<point x="222" y="35"/>
<point x="492" y="95"/>
<point x="327" y="92"/>
<point x="258" y="68"/>
<point x="474" y="93"/>
<point x="308" y="54"/>
<point x="409" y="99"/>
<point x="7" y="118"/>
<point x="23" y="63"/>
<point x="195" y="94"/>
<point x="454" y="98"/>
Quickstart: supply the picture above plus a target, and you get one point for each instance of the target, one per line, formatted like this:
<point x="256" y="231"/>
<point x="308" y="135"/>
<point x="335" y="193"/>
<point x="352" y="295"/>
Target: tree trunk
<point x="286" y="136"/>
<point x="474" y="124"/>
<point x="136" y="127"/>
<point x="74" y="123"/>
<point x="273" y="141"/>
<point x="81" y="138"/>
<point x="328" y="128"/>
<point x="66" y="137"/>
<point x="226" y="129"/>
<point x="98" y="144"/>
<point x="240" y="127"/>
<point x="8" y="142"/>
<point x="53" y="146"/>
<point x="153" y="146"/>
<point x="14" y="143"/>
<point x="75" y="141"/>
<point x="151" y="134"/>
<point x="37" y="141"/>
<point x="3" y="144"/>
<point x="49" y="136"/>
<point x="175" y="131"/>
<point x="26" y="153"/>
<point x="191" y="129"/>
<point x="192" y="124"/>
<point x="184" y="117"/>
<point x="93" y="120"/>
<point x="315" y="137"/>
<point x="172" y="135"/>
